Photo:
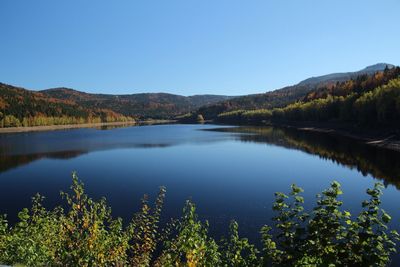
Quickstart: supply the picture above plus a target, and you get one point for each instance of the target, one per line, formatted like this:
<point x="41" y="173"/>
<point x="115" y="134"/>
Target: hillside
<point x="344" y="76"/>
<point x="368" y="102"/>
<point x="21" y="107"/>
<point x="287" y="95"/>
<point x="146" y="105"/>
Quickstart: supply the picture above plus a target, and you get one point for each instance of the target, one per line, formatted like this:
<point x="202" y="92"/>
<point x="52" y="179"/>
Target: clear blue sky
<point x="191" y="47"/>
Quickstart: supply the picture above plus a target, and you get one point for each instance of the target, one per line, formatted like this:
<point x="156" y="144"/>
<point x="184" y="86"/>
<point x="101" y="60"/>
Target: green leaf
<point x="386" y="217"/>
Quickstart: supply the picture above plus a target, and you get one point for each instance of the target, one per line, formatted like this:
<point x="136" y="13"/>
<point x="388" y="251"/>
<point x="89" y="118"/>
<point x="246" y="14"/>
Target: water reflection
<point x="23" y="148"/>
<point x="381" y="163"/>
<point x="8" y="162"/>
<point x="231" y="173"/>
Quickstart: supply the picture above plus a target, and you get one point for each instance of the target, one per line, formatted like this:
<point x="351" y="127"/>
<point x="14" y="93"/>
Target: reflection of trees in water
<point x="8" y="162"/>
<point x="380" y="163"/>
<point x="111" y="127"/>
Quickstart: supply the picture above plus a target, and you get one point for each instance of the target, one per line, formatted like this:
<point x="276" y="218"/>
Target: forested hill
<point x="344" y="76"/>
<point x="22" y="107"/>
<point x="368" y="101"/>
<point x="290" y="94"/>
<point x="146" y="105"/>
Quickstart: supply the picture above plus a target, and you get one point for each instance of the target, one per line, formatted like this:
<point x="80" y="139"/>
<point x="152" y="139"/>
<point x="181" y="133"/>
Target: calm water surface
<point x="229" y="172"/>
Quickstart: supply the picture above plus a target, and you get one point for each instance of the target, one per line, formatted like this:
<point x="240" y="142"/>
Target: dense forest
<point x="20" y="107"/>
<point x="313" y="97"/>
<point x="84" y="233"/>
<point x="368" y="100"/>
<point x="290" y="94"/>
<point x="141" y="106"/>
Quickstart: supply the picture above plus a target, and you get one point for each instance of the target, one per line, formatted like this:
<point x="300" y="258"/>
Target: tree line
<point x="380" y="106"/>
<point x="360" y="84"/>
<point x="22" y="108"/>
<point x="302" y="92"/>
<point x="12" y="121"/>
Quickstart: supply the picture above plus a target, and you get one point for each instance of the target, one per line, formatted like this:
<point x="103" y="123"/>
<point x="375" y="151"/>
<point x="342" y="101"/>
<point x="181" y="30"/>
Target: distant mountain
<point x="340" y="77"/>
<point x="284" y="96"/>
<point x="366" y="103"/>
<point x="22" y="107"/>
<point x="19" y="106"/>
<point x="145" y="105"/>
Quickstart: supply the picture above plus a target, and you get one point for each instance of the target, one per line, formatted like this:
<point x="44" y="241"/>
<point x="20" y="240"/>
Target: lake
<point x="229" y="172"/>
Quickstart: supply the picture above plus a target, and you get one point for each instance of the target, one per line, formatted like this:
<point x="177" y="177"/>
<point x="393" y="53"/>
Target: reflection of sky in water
<point x="93" y="139"/>
<point x="226" y="177"/>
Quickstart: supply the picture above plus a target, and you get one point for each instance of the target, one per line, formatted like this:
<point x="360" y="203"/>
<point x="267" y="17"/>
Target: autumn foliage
<point x="22" y="108"/>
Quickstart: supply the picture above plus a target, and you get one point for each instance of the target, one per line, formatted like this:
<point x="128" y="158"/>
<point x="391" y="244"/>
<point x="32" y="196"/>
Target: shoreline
<point x="387" y="138"/>
<point x="77" y="126"/>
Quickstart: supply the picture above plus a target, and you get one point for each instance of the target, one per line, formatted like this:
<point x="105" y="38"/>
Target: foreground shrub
<point x="85" y="234"/>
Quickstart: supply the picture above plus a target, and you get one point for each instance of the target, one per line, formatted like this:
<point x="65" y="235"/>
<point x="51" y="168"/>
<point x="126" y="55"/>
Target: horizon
<point x="82" y="91"/>
<point x="189" y="49"/>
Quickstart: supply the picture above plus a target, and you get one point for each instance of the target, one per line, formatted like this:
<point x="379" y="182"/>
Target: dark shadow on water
<point x="23" y="148"/>
<point x="380" y="163"/>
<point x="8" y="162"/>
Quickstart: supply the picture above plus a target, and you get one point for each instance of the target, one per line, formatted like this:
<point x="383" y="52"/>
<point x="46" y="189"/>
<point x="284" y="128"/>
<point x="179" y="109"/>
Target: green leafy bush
<point x="85" y="234"/>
